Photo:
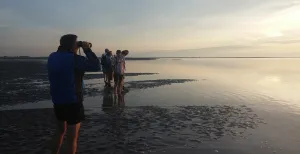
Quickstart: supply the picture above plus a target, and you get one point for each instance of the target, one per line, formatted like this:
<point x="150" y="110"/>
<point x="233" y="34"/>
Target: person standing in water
<point x="109" y="68"/>
<point x="103" y="64"/>
<point x="124" y="54"/>
<point x="119" y="70"/>
<point x="65" y="72"/>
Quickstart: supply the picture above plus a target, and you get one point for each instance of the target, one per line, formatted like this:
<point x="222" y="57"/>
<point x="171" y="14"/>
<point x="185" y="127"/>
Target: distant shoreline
<point x="154" y="58"/>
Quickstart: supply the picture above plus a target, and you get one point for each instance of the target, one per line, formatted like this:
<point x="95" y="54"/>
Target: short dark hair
<point x="118" y="51"/>
<point x="125" y="52"/>
<point x="106" y="50"/>
<point x="67" y="41"/>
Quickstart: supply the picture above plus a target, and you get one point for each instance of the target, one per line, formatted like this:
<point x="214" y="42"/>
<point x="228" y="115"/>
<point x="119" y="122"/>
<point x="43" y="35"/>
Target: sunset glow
<point x="149" y="28"/>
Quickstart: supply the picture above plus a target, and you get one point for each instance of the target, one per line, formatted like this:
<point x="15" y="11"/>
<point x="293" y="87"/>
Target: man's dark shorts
<point x="72" y="113"/>
<point x="118" y="77"/>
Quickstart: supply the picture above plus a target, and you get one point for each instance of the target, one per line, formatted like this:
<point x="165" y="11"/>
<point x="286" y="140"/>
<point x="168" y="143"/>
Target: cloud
<point x="284" y="41"/>
<point x="216" y="51"/>
<point x="36" y="25"/>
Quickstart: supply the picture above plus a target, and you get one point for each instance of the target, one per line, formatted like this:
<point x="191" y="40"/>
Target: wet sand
<point x="159" y="113"/>
<point x="130" y="130"/>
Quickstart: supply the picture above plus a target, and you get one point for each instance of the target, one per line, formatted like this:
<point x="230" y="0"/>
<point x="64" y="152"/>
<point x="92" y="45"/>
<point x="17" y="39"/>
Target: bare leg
<point x="105" y="79"/>
<point x="58" y="136"/>
<point x="109" y="79"/>
<point x="116" y="87"/>
<point x="72" y="138"/>
<point x="120" y="86"/>
<point x="121" y="100"/>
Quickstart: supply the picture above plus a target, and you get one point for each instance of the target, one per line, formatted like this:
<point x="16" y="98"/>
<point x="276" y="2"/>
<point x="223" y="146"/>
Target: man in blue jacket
<point x="65" y="71"/>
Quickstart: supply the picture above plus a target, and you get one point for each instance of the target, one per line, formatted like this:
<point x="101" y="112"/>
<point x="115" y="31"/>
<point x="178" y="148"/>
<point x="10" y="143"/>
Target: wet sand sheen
<point x="176" y="112"/>
<point x="132" y="130"/>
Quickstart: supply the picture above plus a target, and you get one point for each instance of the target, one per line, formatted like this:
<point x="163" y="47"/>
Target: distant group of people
<point x="113" y="67"/>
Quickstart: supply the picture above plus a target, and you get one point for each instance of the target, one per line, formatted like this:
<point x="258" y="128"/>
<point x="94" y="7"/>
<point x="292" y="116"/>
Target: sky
<point x="153" y="27"/>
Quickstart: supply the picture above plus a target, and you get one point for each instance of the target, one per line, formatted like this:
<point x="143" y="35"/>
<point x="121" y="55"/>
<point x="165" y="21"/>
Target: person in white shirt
<point x="119" y="70"/>
<point x="124" y="54"/>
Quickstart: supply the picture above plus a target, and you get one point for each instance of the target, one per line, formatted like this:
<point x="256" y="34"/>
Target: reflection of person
<point x="113" y="106"/>
<point x="119" y="69"/>
<point x="121" y="101"/>
<point x="65" y="71"/>
<point x="108" y="102"/>
<point x="112" y="103"/>
<point x="103" y="62"/>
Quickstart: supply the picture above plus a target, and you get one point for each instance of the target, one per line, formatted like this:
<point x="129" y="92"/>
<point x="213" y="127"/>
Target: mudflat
<point x="179" y="106"/>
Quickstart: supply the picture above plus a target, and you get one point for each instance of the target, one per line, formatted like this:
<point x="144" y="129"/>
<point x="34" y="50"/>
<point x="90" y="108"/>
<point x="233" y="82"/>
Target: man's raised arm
<point x="90" y="63"/>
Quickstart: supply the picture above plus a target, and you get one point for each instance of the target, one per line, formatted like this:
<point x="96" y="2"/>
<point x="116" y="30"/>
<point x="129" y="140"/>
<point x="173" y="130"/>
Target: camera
<point x="84" y="43"/>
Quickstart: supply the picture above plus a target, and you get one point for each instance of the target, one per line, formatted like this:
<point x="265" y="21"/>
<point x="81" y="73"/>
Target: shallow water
<point x="179" y="105"/>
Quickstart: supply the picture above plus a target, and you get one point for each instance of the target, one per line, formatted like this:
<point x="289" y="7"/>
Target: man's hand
<point x="86" y="45"/>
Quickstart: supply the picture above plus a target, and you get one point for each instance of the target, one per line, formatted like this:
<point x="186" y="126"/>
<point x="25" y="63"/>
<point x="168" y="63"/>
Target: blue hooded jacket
<point x="65" y="73"/>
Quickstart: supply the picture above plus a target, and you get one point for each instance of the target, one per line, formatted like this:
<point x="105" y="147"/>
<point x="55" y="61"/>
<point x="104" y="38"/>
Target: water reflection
<point x="112" y="102"/>
<point x="113" y="106"/>
<point x="99" y="76"/>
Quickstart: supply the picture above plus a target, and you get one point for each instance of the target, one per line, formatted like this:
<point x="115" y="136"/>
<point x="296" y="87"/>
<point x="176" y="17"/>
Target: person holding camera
<point x="65" y="71"/>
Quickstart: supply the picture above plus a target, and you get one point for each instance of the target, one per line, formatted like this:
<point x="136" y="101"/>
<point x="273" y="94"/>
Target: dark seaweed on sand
<point x="22" y="81"/>
<point x="130" y="130"/>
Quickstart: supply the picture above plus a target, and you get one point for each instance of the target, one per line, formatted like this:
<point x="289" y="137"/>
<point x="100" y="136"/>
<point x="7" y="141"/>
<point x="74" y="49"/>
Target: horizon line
<point x="36" y="57"/>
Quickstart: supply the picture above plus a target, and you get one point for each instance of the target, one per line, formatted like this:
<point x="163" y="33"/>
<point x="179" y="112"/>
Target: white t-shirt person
<point x="119" y="65"/>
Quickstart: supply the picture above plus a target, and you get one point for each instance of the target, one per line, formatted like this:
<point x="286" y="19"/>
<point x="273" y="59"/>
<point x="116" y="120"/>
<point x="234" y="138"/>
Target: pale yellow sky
<point x="150" y="28"/>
